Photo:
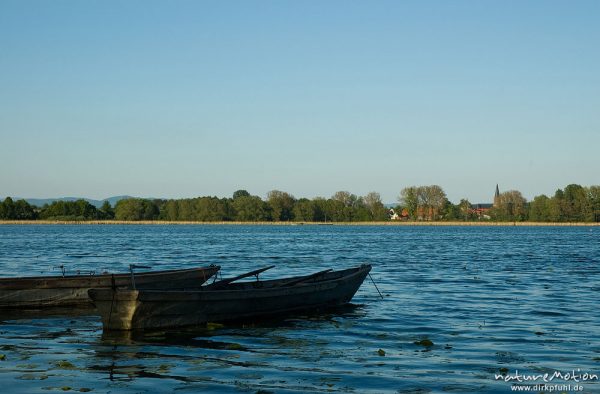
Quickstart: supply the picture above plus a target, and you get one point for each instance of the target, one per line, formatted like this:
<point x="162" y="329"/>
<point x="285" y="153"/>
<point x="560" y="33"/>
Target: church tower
<point x="497" y="197"/>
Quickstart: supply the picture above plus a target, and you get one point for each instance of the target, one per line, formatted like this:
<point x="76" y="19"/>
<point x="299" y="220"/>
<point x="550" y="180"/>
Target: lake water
<point x="461" y="305"/>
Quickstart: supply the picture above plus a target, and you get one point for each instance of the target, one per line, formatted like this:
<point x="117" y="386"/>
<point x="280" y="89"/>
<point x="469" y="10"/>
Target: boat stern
<point x="116" y="307"/>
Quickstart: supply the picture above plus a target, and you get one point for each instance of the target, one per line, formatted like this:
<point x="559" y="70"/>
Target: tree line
<point x="574" y="203"/>
<point x="279" y="206"/>
<point x="58" y="210"/>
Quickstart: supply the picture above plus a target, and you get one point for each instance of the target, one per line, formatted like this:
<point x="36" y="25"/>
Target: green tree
<point x="19" y="210"/>
<point x="85" y="209"/>
<point x="451" y="212"/>
<point x="210" y="209"/>
<point x="557" y="203"/>
<point x="135" y="209"/>
<point x="304" y="210"/>
<point x="240" y="193"/>
<point x="8" y="209"/>
<point x="106" y="211"/>
<point x="423" y="202"/>
<point x="55" y="209"/>
<point x="345" y="197"/>
<point x="431" y="201"/>
<point x="374" y="205"/>
<point x="335" y="210"/>
<point x="250" y="209"/>
<point x="320" y="209"/>
<point x="24" y="211"/>
<point x="409" y="200"/>
<point x="69" y="210"/>
<point x="282" y="205"/>
<point x="540" y="209"/>
<point x="344" y="207"/>
<point x="576" y="207"/>
<point x="170" y="211"/>
<point x="465" y="210"/>
<point x="511" y="207"/>
<point x="187" y="211"/>
<point x="593" y="195"/>
<point x="554" y="210"/>
<point x="360" y="213"/>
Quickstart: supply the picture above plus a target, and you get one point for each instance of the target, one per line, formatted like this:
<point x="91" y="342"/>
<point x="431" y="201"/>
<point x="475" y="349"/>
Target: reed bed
<point x="387" y="223"/>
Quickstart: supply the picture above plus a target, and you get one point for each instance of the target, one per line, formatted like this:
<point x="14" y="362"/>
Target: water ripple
<point x="460" y="305"/>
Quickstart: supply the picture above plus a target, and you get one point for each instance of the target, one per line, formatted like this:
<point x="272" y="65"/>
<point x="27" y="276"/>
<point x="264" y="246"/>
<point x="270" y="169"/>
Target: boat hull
<point x="148" y="309"/>
<point x="55" y="291"/>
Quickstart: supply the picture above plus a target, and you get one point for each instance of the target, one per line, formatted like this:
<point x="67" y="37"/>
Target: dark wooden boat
<point x="224" y="300"/>
<point x="72" y="290"/>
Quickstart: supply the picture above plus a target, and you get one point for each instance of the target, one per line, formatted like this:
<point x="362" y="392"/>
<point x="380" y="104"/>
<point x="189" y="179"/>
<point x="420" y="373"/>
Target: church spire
<point x="497" y="196"/>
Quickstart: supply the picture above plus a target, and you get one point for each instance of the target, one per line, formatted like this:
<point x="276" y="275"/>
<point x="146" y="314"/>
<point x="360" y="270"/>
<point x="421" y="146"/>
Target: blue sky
<point x="191" y="98"/>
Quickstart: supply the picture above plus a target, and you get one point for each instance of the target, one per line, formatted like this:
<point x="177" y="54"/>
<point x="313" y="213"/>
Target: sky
<point x="178" y="99"/>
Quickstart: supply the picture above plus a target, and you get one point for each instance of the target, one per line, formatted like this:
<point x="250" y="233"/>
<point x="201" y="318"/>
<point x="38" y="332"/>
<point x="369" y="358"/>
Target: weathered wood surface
<point x="156" y="309"/>
<point x="53" y="291"/>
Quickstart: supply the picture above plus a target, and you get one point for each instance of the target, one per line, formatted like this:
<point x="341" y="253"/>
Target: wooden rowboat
<point x="224" y="300"/>
<point x="72" y="290"/>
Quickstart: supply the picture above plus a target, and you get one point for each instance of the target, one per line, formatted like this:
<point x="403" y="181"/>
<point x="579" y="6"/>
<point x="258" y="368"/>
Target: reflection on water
<point x="460" y="305"/>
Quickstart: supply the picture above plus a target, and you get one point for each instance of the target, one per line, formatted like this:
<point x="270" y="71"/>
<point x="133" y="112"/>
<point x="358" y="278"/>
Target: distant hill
<point x="97" y="203"/>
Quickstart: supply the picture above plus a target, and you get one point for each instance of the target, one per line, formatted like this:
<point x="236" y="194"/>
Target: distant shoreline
<point x="163" y="222"/>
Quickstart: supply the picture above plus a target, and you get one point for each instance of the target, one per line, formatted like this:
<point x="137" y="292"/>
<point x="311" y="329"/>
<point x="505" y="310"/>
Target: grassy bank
<point x="387" y="223"/>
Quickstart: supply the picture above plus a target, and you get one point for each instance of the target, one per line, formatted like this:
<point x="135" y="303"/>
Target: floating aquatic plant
<point x="424" y="342"/>
<point x="234" y="346"/>
<point x="63" y="364"/>
<point x="214" y="326"/>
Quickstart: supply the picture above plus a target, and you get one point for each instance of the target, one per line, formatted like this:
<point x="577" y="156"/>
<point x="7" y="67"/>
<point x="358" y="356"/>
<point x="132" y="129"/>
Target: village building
<point x="481" y="210"/>
<point x="393" y="215"/>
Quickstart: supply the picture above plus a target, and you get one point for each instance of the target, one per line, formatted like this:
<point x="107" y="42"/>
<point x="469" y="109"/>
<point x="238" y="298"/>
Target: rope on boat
<point x="374" y="284"/>
<point x="114" y="291"/>
<point x="131" y="267"/>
